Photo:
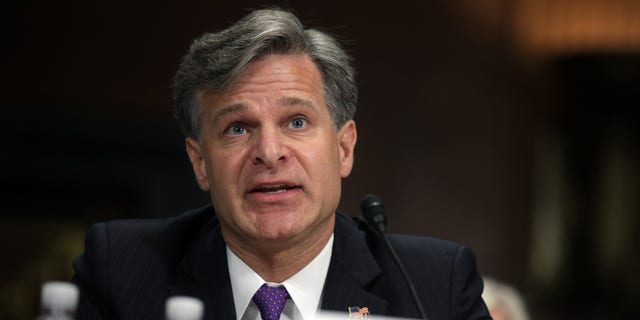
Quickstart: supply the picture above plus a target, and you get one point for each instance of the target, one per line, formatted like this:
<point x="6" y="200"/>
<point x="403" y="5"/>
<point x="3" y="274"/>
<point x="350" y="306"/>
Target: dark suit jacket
<point x="130" y="267"/>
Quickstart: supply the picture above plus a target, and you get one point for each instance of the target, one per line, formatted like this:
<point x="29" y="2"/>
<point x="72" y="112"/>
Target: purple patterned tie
<point x="270" y="301"/>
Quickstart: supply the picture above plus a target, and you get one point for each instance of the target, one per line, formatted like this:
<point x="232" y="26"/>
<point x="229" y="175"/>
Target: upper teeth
<point x="273" y="188"/>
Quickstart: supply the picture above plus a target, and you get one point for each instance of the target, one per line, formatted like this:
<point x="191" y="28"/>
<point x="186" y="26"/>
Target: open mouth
<point x="278" y="188"/>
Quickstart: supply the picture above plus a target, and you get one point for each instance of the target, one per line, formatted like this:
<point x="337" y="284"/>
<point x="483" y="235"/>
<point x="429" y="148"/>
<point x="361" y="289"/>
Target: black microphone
<point x="374" y="213"/>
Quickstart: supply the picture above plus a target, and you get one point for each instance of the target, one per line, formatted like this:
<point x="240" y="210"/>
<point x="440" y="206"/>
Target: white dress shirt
<point x="304" y="287"/>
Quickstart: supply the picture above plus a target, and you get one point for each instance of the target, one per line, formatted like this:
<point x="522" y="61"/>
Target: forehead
<point x="295" y="72"/>
<point x="275" y="79"/>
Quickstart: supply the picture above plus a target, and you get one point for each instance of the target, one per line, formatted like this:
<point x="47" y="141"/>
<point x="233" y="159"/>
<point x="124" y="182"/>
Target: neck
<point x="277" y="261"/>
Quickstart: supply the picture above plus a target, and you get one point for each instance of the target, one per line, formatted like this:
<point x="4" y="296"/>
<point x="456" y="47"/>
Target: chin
<point x="278" y="236"/>
<point x="278" y="228"/>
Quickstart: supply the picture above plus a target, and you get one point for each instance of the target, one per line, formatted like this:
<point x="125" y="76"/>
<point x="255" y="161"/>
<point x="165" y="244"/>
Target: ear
<point x="197" y="162"/>
<point x="347" y="136"/>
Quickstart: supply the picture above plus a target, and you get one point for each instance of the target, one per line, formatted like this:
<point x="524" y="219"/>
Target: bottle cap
<point x="183" y="308"/>
<point x="59" y="295"/>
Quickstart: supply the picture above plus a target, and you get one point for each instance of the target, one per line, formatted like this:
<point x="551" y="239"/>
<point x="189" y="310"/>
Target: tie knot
<point x="270" y="301"/>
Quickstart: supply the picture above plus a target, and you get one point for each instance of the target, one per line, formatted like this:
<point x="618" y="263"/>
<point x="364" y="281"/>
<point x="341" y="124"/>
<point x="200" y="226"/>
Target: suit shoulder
<point x="185" y="224"/>
<point x="134" y="237"/>
<point x="146" y="250"/>
<point x="422" y="244"/>
<point x="410" y="244"/>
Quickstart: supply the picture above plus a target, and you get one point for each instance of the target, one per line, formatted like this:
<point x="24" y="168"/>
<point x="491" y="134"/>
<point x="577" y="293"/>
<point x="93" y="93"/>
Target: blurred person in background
<point x="504" y="301"/>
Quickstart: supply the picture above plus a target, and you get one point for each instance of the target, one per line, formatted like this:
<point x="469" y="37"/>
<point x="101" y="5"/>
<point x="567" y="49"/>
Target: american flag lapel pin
<point x="357" y="312"/>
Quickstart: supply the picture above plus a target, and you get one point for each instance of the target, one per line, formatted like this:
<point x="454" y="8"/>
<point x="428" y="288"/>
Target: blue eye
<point x="236" y="130"/>
<point x="298" y="123"/>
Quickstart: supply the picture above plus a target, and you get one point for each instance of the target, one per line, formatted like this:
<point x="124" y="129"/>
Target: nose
<point x="269" y="149"/>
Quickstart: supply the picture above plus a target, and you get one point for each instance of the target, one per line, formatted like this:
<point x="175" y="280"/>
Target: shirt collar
<point x="304" y="287"/>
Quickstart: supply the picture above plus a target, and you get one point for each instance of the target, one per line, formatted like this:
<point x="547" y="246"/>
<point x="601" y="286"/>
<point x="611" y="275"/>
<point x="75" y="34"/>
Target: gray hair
<point x="215" y="60"/>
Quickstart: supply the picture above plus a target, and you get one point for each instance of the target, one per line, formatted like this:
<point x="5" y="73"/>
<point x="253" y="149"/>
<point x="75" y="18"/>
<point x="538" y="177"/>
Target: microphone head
<point x="374" y="212"/>
<point x="370" y="200"/>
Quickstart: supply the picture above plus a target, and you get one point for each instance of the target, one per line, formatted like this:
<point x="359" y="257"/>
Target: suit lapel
<point x="351" y="269"/>
<point x="205" y="275"/>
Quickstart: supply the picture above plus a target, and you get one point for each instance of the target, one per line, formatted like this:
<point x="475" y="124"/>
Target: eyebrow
<point x="285" y="101"/>
<point x="295" y="101"/>
<point x="227" y="110"/>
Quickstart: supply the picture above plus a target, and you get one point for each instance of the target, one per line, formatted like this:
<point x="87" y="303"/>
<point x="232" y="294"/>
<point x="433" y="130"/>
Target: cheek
<point x="224" y="171"/>
<point x="324" y="163"/>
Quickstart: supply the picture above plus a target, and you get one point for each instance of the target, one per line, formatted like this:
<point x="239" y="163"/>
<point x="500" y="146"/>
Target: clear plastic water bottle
<point x="183" y="308"/>
<point x="58" y="300"/>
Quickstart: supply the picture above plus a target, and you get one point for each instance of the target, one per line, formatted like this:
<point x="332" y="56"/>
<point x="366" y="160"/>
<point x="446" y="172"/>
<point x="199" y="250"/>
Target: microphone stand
<point x="374" y="214"/>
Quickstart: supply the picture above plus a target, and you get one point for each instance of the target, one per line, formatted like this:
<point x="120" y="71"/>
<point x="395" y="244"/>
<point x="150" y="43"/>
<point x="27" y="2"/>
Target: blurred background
<point x="509" y="126"/>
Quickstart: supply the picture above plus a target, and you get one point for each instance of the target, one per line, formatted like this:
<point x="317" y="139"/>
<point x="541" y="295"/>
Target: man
<point x="268" y="108"/>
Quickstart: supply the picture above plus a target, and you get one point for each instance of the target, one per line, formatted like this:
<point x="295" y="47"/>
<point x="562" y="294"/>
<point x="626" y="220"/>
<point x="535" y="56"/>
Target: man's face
<point x="270" y="155"/>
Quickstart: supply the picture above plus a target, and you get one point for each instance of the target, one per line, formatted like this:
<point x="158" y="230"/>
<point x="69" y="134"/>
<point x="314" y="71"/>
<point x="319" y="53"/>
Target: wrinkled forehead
<point x="294" y="73"/>
<point x="284" y="80"/>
